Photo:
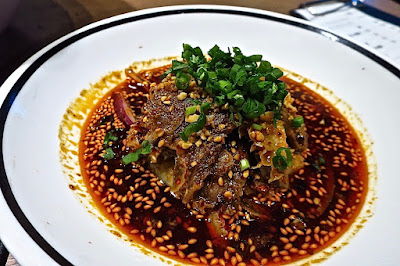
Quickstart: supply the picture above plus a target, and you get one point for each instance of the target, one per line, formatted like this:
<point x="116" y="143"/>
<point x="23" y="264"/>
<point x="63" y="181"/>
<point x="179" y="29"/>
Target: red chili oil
<point x="323" y="200"/>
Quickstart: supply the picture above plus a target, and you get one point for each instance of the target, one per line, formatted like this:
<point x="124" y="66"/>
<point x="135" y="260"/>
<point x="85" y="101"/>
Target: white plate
<point x="42" y="222"/>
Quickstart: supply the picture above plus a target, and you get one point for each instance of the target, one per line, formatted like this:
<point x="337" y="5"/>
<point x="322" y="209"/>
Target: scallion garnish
<point x="182" y="80"/>
<point x="247" y="83"/>
<point x="318" y="163"/>
<point x="237" y="122"/>
<point x="196" y="126"/>
<point x="244" y="164"/>
<point x="281" y="162"/>
<point x="109" y="154"/>
<point x="146" y="147"/>
<point x="298" y="121"/>
<point x="256" y="126"/>
<point x="134" y="156"/>
<point x="109" y="137"/>
<point x="190" y="110"/>
<point x="253" y="108"/>
<point x="195" y="101"/>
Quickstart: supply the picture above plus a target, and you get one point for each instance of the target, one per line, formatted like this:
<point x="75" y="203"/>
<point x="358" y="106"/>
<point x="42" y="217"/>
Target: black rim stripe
<point x="5" y="108"/>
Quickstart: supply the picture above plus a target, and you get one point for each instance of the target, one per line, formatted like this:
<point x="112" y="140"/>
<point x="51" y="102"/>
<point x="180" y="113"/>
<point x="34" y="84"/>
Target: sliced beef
<point x="164" y="113"/>
<point x="186" y="168"/>
<point x="211" y="196"/>
<point x="217" y="228"/>
<point x="188" y="178"/>
<point x="205" y="171"/>
<point x="297" y="137"/>
<point x="164" y="166"/>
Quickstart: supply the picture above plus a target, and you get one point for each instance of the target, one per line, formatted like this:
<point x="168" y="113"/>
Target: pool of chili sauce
<point x="178" y="217"/>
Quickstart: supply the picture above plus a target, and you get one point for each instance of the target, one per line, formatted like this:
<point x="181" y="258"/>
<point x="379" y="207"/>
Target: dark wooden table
<point x="39" y="22"/>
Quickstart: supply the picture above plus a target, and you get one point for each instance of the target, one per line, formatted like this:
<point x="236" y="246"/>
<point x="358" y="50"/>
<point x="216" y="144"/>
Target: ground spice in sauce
<point x="324" y="198"/>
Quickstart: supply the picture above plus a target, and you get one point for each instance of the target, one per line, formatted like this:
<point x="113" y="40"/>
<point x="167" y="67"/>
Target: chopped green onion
<point x="257" y="126"/>
<point x="131" y="157"/>
<point x="190" y="110"/>
<point x="193" y="127"/>
<point x="146" y="147"/>
<point x="109" y="154"/>
<point x="318" y="163"/>
<point x="244" y="164"/>
<point x="176" y="66"/>
<point x="182" y="80"/>
<point x="281" y="162"/>
<point x="204" y="107"/>
<point x="239" y="121"/>
<point x="248" y="83"/>
<point x="196" y="126"/>
<point x="316" y="166"/>
<point x="226" y="86"/>
<point x="298" y="121"/>
<point x="134" y="156"/>
<point x="195" y="101"/>
<point x="253" y="108"/>
<point x="109" y="137"/>
<point x="220" y="100"/>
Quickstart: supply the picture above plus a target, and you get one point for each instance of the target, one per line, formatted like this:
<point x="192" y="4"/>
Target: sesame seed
<point x="162" y="248"/>
<point x="192" y="241"/>
<point x="181" y="254"/>
<point x="230" y="249"/>
<point x="195" y="260"/>
<point x="218" y="139"/>
<point x="183" y="246"/>
<point x="214" y="261"/>
<point x="246" y="174"/>
<point x="161" y="143"/>
<point x="192" y="255"/>
<point x="209" y="250"/>
<point x="230" y="174"/>
<point x="284" y="240"/>
<point x="192" y="229"/>
<point x="228" y="194"/>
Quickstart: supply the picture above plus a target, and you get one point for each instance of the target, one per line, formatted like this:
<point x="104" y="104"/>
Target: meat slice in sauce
<point x="164" y="114"/>
<point x="250" y="216"/>
<point x="204" y="171"/>
<point x="265" y="142"/>
<point x="190" y="176"/>
<point x="297" y="137"/>
<point x="224" y="185"/>
<point x="190" y="167"/>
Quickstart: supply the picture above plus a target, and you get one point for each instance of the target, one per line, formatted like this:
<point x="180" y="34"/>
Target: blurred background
<point x="35" y="23"/>
<point x="26" y="26"/>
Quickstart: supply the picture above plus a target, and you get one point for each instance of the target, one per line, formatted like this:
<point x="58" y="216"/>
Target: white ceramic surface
<point x="56" y="75"/>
